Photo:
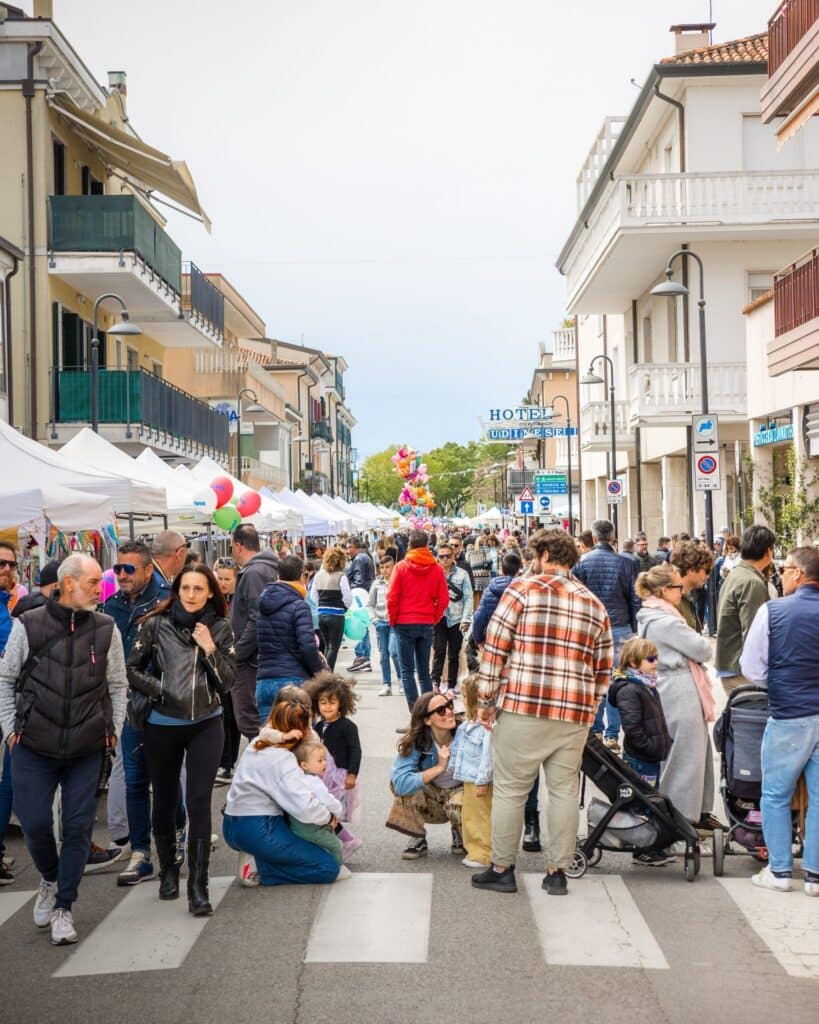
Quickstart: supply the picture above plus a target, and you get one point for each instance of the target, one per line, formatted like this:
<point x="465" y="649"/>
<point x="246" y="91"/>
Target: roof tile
<point x="749" y="50"/>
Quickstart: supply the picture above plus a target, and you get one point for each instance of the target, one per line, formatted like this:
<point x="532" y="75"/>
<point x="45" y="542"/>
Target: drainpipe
<point x="638" y="462"/>
<point x="577" y="399"/>
<point x="681" y="118"/>
<point x="28" y="94"/>
<point x="8" y="346"/>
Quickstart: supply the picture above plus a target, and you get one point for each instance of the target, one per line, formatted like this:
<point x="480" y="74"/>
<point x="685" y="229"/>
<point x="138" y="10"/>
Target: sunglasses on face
<point x="441" y="709"/>
<point x="6" y="563"/>
<point x="651" y="659"/>
<point x="674" y="586"/>
<point x="444" y="558"/>
<point x="121" y="567"/>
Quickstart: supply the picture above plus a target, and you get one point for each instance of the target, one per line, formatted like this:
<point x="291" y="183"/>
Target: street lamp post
<point x="673" y="289"/>
<point x="594" y="378"/>
<point x="568" y="455"/>
<point x="123" y="327"/>
<point x="255" y="407"/>
<point x="300" y="440"/>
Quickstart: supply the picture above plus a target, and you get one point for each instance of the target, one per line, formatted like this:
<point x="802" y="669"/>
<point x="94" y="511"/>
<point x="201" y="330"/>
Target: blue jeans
<point x="266" y="692"/>
<point x="281" y="858"/>
<point x="6" y="799"/>
<point x="620" y="635"/>
<point x="385" y="638"/>
<point x="414" y="647"/>
<point x="138" y="791"/>
<point x="649" y="770"/>
<point x="363" y="649"/>
<point x="790" y="746"/>
<point x="35" y="780"/>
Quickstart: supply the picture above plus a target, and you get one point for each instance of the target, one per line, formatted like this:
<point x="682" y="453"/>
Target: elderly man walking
<point x="62" y="703"/>
<point x="546" y="665"/>
<point x="780" y="653"/>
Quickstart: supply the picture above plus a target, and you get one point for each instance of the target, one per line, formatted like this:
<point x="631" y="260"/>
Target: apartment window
<point x="118" y="343"/>
<point x="58" y="163"/>
<point x="648" y="341"/>
<point x="133" y="359"/>
<point x="91" y="186"/>
<point x="759" y="284"/>
<point x="668" y="160"/>
<point x="156" y="369"/>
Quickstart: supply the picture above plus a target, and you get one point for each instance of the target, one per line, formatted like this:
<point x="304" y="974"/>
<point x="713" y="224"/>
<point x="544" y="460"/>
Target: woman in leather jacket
<point x="183" y="661"/>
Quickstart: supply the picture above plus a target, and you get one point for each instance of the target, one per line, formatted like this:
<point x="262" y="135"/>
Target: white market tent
<point x="181" y="489"/>
<point x="360" y="519"/>
<point x="271" y="516"/>
<point x="382" y="517"/>
<point x="313" y="523"/>
<point x="493" y="515"/>
<point x="339" y="520"/>
<point x="69" y="510"/>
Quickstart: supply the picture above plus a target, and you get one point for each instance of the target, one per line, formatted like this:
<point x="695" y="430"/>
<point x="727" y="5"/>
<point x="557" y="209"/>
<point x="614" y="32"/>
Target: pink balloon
<point x="108" y="587"/>
<point x="249" y="504"/>
<point x="223" y="489"/>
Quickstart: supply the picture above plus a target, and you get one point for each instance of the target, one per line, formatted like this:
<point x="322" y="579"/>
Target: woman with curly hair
<point x="330" y="593"/>
<point x="423" y="784"/>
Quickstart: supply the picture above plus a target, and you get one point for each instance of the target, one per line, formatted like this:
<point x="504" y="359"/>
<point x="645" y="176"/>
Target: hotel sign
<point x="773" y="436"/>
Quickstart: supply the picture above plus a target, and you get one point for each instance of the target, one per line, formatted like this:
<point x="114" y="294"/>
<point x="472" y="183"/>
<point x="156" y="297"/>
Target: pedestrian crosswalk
<point x="387" y="918"/>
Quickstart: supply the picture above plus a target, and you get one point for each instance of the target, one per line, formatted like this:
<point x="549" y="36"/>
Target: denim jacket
<point x="459" y="611"/>
<point x="472" y="754"/>
<point x="407" y="772"/>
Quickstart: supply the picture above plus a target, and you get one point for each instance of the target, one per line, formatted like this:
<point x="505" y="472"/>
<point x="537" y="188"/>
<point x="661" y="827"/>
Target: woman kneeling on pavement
<point x="268" y="784"/>
<point x="422" y="781"/>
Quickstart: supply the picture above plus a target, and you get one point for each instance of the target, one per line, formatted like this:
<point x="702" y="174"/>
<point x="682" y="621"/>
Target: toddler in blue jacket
<point x="471" y="758"/>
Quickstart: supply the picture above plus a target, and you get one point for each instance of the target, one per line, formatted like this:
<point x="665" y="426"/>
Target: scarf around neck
<point x="189" y="620"/>
<point x="298" y="587"/>
<point x="700" y="676"/>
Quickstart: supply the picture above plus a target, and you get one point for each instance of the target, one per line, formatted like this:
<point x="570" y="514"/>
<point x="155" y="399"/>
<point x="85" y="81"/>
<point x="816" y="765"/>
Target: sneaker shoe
<point x="467" y="863"/>
<point x="63" y="932"/>
<point x="495" y="881"/>
<point x="555" y="884"/>
<point x="248" y="875"/>
<point x="139" y="868"/>
<point x="811" y="884"/>
<point x="44" y="904"/>
<point x="649" y="858"/>
<point x="416" y="849"/>
<point x="351" y="847"/>
<point x="363" y="665"/>
<point x="100" y="857"/>
<point x="710" y="823"/>
<point x="6" y="875"/>
<point x="766" y="879"/>
<point x="343" y="874"/>
<point x="7" y="863"/>
<point x="223" y="777"/>
<point x="457" y="841"/>
<point x="452" y="694"/>
<point x="612" y="743"/>
<point x="385" y="691"/>
<point x="181" y="842"/>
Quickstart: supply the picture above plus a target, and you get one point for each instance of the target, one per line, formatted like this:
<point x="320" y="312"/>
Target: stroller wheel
<point x="596" y="856"/>
<point x="578" y="866"/>
<point x="719" y="854"/>
<point x="690" y="870"/>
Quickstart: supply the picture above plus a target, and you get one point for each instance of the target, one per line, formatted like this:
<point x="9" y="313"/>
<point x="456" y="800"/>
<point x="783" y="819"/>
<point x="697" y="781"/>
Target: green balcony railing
<point x="139" y="398"/>
<point x="321" y="429"/>
<point x="114" y="224"/>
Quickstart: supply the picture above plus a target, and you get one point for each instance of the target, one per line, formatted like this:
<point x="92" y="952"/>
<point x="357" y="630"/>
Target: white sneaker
<point x="766" y="879"/>
<point x="811" y="888"/>
<point x="63" y="932"/>
<point x="343" y="874"/>
<point x="44" y="904"/>
<point x="385" y="691"/>
<point x="248" y="874"/>
<point x="467" y="863"/>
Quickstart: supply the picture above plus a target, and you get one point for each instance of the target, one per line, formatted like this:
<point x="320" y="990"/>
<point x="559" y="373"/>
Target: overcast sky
<point x="390" y="180"/>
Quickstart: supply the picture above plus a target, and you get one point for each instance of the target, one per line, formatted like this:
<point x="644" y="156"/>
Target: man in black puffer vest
<point x="62" y="702"/>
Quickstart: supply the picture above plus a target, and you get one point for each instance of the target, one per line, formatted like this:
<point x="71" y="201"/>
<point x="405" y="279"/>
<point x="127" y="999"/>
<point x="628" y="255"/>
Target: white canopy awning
<point x="87" y="449"/>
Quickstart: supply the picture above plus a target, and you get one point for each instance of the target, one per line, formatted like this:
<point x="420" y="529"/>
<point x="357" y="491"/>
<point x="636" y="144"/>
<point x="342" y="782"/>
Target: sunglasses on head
<point x="441" y="709"/>
<point x="225" y="563"/>
<point x="129" y="570"/>
<point x="7" y="563"/>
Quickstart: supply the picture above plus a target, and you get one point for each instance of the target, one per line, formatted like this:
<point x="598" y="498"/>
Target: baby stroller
<point x="738" y="737"/>
<point x="636" y="816"/>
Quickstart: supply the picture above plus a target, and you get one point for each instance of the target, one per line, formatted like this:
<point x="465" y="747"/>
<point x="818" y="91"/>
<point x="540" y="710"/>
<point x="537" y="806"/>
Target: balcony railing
<point x="791" y="22"/>
<point x="340" y="385"/>
<point x="202" y="300"/>
<point x="114" y="224"/>
<point x="796" y="294"/>
<point x="321" y="429"/>
<point x="564" y="345"/>
<point x="137" y="397"/>
<point x="595" y="426"/>
<point x="671" y="391"/>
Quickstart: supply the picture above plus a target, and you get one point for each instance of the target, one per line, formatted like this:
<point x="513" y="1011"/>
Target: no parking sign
<point x="614" y="490"/>
<point x="707" y="472"/>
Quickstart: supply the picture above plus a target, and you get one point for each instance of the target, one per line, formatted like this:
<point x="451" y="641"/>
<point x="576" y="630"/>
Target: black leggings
<point x="230" y="750"/>
<point x="331" y="628"/>
<point x="200" y="743"/>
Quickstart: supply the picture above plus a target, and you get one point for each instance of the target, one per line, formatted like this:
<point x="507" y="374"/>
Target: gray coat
<point x="687" y="777"/>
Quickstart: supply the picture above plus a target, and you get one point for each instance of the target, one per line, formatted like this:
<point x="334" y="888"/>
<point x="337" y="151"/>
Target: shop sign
<point x="774" y="435"/>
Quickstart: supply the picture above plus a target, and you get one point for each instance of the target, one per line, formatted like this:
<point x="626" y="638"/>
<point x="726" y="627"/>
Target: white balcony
<point x="564" y="349"/>
<point x="595" y="426"/>
<point x="669" y="394"/>
<point x="643" y="217"/>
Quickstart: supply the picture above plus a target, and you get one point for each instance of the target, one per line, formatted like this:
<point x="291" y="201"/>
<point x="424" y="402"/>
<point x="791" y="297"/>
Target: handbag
<point x="138" y="709"/>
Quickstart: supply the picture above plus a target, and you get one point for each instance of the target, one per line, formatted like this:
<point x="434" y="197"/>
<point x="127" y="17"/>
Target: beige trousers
<point x="476" y="822"/>
<point x="521" y="744"/>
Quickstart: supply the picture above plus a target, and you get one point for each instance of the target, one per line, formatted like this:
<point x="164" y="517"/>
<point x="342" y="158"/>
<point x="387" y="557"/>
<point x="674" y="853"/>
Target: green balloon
<point x="234" y="500"/>
<point x="227" y="517"/>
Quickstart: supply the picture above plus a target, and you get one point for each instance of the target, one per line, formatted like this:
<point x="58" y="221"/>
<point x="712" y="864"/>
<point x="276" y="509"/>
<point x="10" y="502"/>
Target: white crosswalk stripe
<point x="11" y="902"/>
<point x="142" y="934"/>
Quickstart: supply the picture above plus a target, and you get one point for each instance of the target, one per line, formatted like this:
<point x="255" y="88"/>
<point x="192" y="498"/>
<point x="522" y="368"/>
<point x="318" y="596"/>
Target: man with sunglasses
<point x="139" y="591"/>
<point x="448" y="633"/>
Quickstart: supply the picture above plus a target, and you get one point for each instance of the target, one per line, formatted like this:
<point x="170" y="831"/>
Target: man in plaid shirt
<point x="546" y="664"/>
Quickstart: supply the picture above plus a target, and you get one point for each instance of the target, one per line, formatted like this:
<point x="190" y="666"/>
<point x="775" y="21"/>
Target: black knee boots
<point x="198" y="861"/>
<point x="531" y="831"/>
<point x="168" y="868"/>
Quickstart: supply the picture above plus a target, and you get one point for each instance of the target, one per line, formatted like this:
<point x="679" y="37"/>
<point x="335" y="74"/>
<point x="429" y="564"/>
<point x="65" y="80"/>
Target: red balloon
<point x="249" y="504"/>
<point x="223" y="489"/>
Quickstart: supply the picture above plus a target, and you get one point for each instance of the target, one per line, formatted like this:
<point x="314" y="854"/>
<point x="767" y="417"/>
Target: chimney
<point x="117" y="80"/>
<point x="44" y="9"/>
<point x="691" y="37"/>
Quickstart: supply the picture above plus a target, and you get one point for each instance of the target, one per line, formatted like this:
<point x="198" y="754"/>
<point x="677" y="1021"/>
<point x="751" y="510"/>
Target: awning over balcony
<point x="798" y="119"/>
<point x="130" y="156"/>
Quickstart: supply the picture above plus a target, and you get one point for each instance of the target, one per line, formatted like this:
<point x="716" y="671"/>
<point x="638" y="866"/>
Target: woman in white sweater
<point x="268" y="784"/>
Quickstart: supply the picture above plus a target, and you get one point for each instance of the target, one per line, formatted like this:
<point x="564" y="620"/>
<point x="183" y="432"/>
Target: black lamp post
<point x="563" y="398"/>
<point x="593" y="378"/>
<point x="123" y="327"/>
<point x="254" y="407"/>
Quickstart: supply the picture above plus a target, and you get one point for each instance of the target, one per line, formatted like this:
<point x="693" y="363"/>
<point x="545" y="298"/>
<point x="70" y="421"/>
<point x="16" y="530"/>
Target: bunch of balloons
<point x="228" y="509"/>
<point x="416" y="501"/>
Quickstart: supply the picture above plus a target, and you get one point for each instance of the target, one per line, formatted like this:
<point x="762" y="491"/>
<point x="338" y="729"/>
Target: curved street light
<point x="594" y="378"/>
<point x="564" y="399"/>
<point x="124" y="327"/>
<point x="254" y="407"/>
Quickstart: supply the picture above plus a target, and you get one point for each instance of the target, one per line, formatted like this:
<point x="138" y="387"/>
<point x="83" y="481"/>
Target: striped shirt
<point x="549" y="650"/>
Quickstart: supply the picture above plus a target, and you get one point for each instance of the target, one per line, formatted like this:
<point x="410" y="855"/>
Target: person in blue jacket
<point x="287" y="648"/>
<point x="511" y="565"/>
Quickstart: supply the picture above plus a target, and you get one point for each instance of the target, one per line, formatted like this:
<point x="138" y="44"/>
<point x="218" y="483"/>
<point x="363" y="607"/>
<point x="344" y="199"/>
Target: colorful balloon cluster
<point x="416" y="500"/>
<point x="229" y="509"/>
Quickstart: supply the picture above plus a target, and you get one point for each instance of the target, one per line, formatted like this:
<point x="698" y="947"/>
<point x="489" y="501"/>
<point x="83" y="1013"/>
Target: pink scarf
<point x="701" y="679"/>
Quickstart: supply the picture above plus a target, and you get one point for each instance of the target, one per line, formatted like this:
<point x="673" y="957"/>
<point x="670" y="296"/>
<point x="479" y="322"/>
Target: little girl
<point x="311" y="755"/>
<point x="471" y="759"/>
<point x="334" y="698"/>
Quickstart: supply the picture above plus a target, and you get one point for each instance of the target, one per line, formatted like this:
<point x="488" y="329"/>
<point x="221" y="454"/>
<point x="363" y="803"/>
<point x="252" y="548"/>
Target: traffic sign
<point x="707" y="472"/>
<point x="525" y="508"/>
<point x="614" y="490"/>
<point x="550" y="483"/>
<point x="526" y="494"/>
<point x="544" y="502"/>
<point x="705" y="431"/>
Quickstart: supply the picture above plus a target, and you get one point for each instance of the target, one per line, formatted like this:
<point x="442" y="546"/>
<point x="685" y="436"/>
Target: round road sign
<point x="706" y="464"/>
<point x="614" y="487"/>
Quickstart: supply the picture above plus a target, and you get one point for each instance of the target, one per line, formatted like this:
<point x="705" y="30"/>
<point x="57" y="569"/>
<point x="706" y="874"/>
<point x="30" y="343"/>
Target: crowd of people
<point x="151" y="694"/>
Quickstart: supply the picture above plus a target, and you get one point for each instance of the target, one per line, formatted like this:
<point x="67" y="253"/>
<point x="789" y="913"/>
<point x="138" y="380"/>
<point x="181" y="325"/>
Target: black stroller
<point x="738" y="737"/>
<point x="636" y="816"/>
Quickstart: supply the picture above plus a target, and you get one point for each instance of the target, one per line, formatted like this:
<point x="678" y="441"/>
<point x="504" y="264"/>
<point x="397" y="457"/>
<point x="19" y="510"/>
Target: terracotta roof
<point x="750" y="50"/>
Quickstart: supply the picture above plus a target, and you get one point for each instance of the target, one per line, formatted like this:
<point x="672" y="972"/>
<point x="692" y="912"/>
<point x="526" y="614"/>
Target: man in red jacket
<point x="416" y="600"/>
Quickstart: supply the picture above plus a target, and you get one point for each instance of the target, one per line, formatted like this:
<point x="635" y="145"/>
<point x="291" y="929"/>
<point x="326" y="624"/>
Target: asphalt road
<point x="405" y="942"/>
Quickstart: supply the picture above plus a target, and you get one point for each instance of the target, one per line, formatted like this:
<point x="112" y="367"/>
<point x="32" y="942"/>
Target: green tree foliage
<point x="790" y="505"/>
<point x="383" y="486"/>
